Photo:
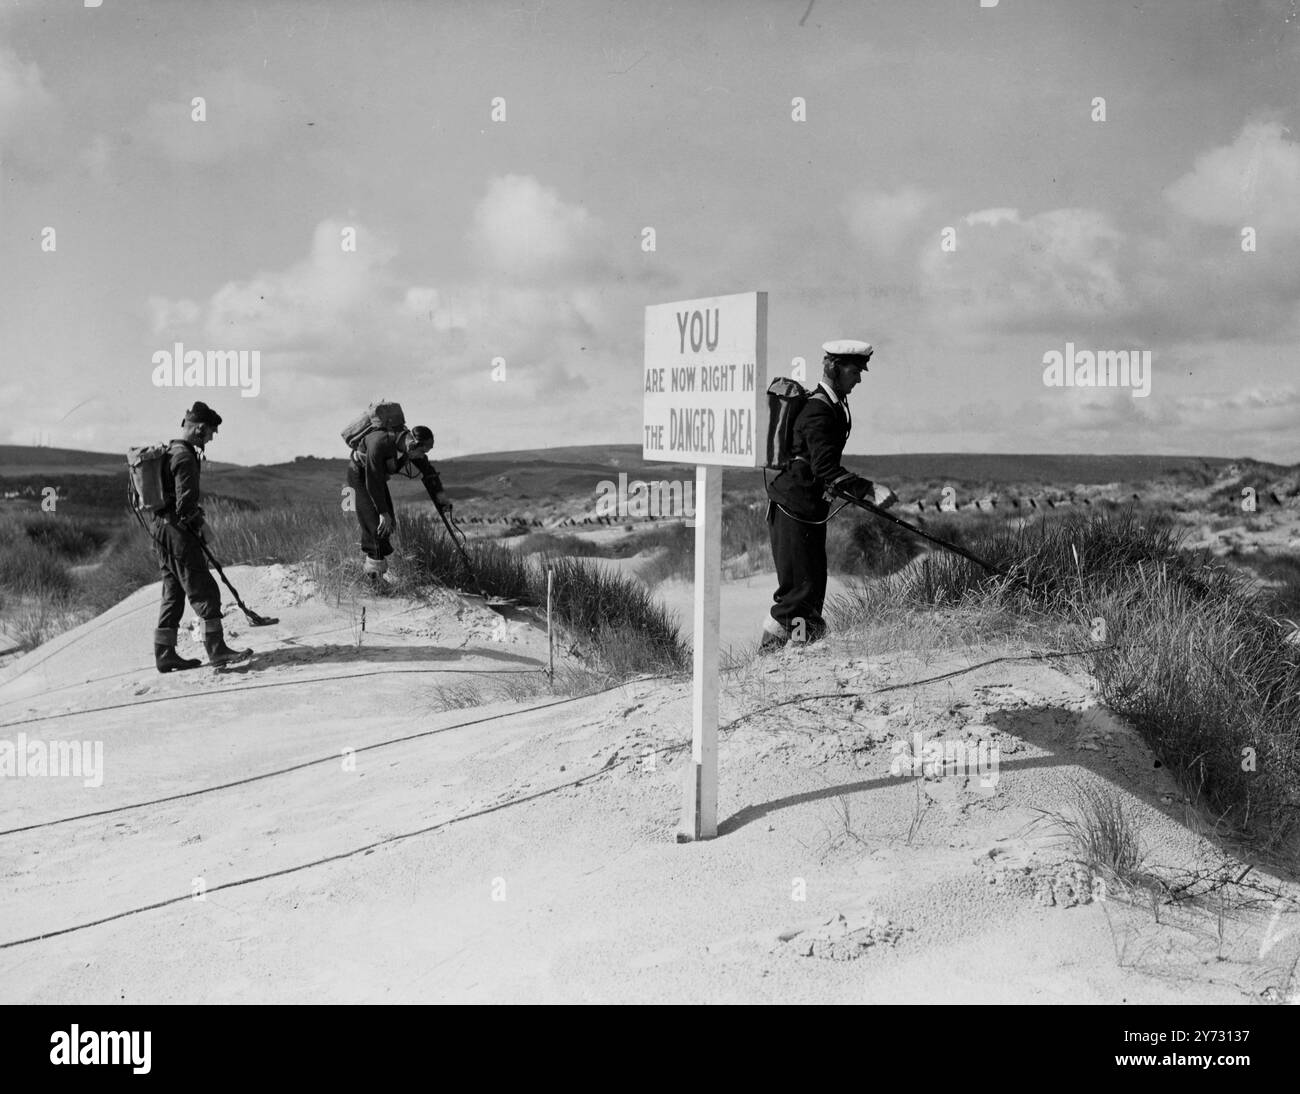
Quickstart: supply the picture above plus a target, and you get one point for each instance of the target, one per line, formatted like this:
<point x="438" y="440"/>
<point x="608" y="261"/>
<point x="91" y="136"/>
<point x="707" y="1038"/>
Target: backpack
<point x="785" y="400"/>
<point x="145" y="483"/>
<point x="379" y="415"/>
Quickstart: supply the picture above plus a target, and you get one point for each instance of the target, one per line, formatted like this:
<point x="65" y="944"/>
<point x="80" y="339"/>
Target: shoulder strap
<point x="170" y="450"/>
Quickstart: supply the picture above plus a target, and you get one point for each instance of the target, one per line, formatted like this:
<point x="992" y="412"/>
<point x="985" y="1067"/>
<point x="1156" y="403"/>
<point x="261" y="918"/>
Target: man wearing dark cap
<point x="798" y="509"/>
<point x="378" y="456"/>
<point x="177" y="532"/>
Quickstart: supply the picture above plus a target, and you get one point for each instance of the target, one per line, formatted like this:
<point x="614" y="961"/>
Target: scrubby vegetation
<point x="1179" y="644"/>
<point x="1279" y="575"/>
<point x="36" y="555"/>
<point x="59" y="571"/>
<point x="613" y="620"/>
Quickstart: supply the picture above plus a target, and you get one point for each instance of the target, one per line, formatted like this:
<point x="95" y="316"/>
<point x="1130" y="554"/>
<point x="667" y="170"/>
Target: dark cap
<point x="202" y="414"/>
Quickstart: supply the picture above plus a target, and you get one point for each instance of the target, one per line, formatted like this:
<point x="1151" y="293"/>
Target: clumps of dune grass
<point x="128" y="563"/>
<point x="70" y="538"/>
<point x="45" y="573"/>
<point x="869" y="547"/>
<point x="283" y="534"/>
<point x="1279" y="574"/>
<point x="614" y="623"/>
<point x="1101" y="832"/>
<point x="458" y="695"/>
<point x="39" y="619"/>
<point x="26" y="569"/>
<point x="614" y="617"/>
<point x="37" y="579"/>
<point x="1213" y="684"/>
<point x="1179" y="645"/>
<point x="424" y="543"/>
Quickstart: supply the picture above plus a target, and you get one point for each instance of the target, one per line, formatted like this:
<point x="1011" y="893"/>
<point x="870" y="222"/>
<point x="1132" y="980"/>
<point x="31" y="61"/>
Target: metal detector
<point x="498" y="604"/>
<point x="871" y="507"/>
<point x="254" y="619"/>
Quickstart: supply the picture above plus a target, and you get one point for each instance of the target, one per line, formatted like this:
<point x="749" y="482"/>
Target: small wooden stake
<point x="550" y="640"/>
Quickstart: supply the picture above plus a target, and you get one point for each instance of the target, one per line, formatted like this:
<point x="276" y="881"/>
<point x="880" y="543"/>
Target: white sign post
<point x="705" y="374"/>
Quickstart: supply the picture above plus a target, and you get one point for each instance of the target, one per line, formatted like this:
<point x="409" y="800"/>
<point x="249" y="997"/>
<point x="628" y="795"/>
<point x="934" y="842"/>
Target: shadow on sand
<point x="370" y="655"/>
<point x="1055" y="734"/>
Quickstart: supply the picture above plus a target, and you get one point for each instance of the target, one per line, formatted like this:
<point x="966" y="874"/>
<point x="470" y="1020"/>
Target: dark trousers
<point x="799" y="550"/>
<point x="373" y="545"/>
<point x="185" y="576"/>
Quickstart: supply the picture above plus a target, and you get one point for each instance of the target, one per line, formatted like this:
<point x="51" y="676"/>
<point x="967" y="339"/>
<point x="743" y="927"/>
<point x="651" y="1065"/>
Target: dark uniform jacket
<point x="181" y="485"/>
<point x="377" y="457"/>
<point x="820" y="433"/>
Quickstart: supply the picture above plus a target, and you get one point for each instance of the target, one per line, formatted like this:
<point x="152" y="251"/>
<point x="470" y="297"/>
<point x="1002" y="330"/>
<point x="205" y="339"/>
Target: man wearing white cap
<point x="798" y="510"/>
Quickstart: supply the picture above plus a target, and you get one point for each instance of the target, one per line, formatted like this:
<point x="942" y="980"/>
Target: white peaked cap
<point x="848" y="347"/>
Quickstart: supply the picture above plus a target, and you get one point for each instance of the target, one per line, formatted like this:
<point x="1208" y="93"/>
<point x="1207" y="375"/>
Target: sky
<point x="969" y="188"/>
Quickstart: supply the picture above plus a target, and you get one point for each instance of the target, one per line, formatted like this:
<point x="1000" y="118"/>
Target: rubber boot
<point x="775" y="636"/>
<point x="168" y="660"/>
<point x="214" y="641"/>
<point x="376" y="577"/>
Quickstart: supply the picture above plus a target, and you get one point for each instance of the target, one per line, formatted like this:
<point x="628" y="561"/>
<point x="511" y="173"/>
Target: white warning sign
<point x="705" y="371"/>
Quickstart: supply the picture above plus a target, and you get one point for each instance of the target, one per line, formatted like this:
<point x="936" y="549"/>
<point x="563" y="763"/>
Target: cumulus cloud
<point x="331" y="313"/>
<point x="1253" y="181"/>
<point x="522" y="229"/>
<point x="563" y="331"/>
<point x="241" y="115"/>
<point x="1074" y="272"/>
<point x="325" y="300"/>
<point x="1041" y="273"/>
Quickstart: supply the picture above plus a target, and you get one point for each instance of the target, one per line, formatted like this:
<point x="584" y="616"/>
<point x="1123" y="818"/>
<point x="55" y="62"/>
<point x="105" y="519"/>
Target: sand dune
<point x="530" y="855"/>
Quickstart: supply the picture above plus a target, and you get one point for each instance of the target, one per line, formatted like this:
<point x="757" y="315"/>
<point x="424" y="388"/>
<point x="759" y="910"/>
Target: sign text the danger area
<point x="704" y="369"/>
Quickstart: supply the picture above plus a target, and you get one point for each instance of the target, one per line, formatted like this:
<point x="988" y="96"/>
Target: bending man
<point x="379" y="456"/>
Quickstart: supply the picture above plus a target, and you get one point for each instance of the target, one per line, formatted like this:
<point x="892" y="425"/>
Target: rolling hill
<point x="540" y="477"/>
